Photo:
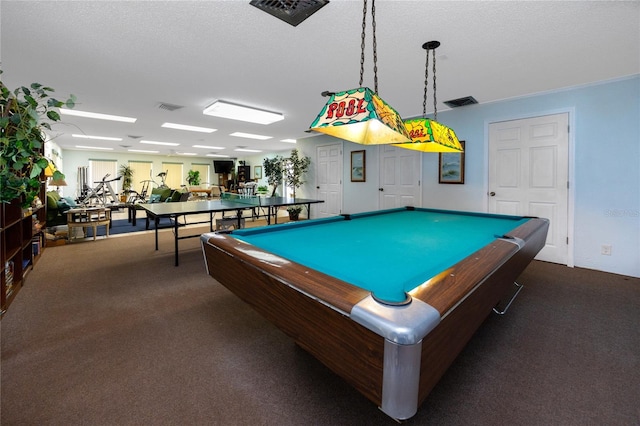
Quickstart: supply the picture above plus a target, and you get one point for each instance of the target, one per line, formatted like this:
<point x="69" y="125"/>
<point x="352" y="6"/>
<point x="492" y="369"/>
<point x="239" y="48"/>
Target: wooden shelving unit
<point x="244" y="173"/>
<point x="21" y="245"/>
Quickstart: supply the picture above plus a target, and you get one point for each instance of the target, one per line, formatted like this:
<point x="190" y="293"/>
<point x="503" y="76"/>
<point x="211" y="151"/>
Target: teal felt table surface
<point x="387" y="252"/>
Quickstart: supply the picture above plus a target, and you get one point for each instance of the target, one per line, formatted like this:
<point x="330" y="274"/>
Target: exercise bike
<point x="101" y="192"/>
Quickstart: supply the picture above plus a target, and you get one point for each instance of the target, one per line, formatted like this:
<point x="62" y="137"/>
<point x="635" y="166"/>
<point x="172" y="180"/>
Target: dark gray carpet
<point x="111" y="333"/>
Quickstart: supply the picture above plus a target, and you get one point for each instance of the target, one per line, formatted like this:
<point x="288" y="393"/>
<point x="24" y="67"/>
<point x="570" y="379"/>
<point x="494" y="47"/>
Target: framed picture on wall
<point x="358" y="166"/>
<point x="451" y="166"/>
<point x="257" y="172"/>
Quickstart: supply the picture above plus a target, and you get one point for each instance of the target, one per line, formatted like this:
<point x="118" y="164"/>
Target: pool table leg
<point x="401" y="379"/>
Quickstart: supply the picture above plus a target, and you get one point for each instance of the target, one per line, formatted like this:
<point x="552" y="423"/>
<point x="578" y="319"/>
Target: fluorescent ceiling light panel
<point x="96" y="115"/>
<point x="186" y="153"/>
<point x="224" y="109"/>
<point x="207" y="147"/>
<point x="250" y="136"/>
<point x="217" y="155"/>
<point x="160" y="143"/>
<point x="189" y="128"/>
<point x="146" y="151"/>
<point x="102" y="138"/>
<point x="94" y="147"/>
<point x="247" y="150"/>
<point x="289" y="140"/>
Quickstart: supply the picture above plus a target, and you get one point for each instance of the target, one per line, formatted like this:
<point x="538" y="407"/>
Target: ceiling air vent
<point x="169" y="107"/>
<point x="290" y="11"/>
<point x="455" y="103"/>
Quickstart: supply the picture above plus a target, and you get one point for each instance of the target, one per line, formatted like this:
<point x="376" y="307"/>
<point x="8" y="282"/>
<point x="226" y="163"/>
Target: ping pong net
<point x="249" y="200"/>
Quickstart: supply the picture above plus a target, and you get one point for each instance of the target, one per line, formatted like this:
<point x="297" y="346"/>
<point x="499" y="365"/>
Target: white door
<point x="400" y="171"/>
<point x="329" y="180"/>
<point x="529" y="173"/>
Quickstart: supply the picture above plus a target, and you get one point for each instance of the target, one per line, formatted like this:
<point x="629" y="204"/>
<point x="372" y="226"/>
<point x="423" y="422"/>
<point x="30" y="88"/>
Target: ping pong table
<point x="259" y="206"/>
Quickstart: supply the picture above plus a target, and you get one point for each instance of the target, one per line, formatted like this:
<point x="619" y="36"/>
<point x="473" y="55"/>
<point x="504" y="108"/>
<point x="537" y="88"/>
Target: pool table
<point x="385" y="299"/>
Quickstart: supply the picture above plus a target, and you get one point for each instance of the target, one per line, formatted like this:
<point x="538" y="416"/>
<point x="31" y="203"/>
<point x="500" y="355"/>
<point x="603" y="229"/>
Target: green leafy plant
<point x="262" y="189"/>
<point x="273" y="172"/>
<point x="295" y="167"/>
<point x="24" y="114"/>
<point x="127" y="177"/>
<point x="193" y="177"/>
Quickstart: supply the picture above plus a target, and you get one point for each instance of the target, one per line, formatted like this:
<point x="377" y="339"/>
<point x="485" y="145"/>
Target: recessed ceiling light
<point x="217" y="155"/>
<point x="189" y="128"/>
<point x="102" y="138"/>
<point x="250" y="136"/>
<point x="243" y="113"/>
<point x="143" y="150"/>
<point x="246" y="150"/>
<point x="160" y="143"/>
<point x="94" y="147"/>
<point x="186" y="153"/>
<point x="207" y="147"/>
<point x="288" y="140"/>
<point x="96" y="115"/>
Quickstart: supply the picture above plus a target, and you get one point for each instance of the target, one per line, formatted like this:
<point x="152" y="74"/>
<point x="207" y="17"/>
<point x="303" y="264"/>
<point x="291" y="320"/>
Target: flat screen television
<point x="223" y="166"/>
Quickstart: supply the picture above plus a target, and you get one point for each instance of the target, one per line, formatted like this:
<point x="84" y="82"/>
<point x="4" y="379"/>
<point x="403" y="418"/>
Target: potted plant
<point x="295" y="168"/>
<point x="262" y="190"/>
<point x="294" y="212"/>
<point x="127" y="181"/>
<point x="193" y="177"/>
<point x="24" y="114"/>
<point x="273" y="172"/>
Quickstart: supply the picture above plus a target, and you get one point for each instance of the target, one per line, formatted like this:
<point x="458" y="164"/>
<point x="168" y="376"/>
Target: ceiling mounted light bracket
<point x="429" y="135"/>
<point x="360" y="115"/>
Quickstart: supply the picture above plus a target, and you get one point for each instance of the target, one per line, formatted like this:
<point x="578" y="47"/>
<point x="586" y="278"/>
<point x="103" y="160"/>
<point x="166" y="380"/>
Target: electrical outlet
<point x="606" y="249"/>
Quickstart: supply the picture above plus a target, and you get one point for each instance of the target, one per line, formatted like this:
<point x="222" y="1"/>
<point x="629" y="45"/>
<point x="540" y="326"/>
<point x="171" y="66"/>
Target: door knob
<point x="380" y="189"/>
<point x="493" y="194"/>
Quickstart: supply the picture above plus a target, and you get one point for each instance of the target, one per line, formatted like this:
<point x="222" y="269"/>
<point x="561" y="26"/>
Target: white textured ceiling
<point x="125" y="57"/>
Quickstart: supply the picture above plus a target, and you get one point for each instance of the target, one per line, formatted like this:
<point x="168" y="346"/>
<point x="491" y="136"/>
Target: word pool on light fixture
<point x="188" y="128"/>
<point x="360" y="115"/>
<point x="232" y="111"/>
<point x="97" y="115"/>
<point x="429" y="135"/>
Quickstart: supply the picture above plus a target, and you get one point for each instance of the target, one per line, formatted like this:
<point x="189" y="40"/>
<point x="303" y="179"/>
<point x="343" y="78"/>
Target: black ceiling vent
<point x="290" y="11"/>
<point x="455" y="103"/>
<point x="169" y="107"/>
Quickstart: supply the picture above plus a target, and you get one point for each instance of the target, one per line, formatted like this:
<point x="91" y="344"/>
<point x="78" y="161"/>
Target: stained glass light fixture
<point x="429" y="135"/>
<point x="360" y="115"/>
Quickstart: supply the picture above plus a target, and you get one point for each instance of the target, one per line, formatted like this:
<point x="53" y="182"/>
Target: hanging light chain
<point x="362" y="37"/>
<point x="426" y="85"/>
<point x="435" y="105"/>
<point x="375" y="44"/>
